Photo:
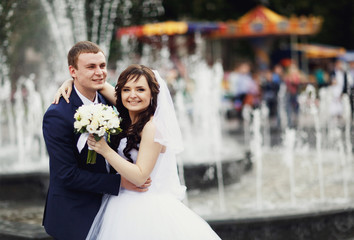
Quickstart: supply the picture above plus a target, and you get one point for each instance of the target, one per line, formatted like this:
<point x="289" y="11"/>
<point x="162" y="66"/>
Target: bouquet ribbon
<point x="91" y="155"/>
<point x="82" y="141"/>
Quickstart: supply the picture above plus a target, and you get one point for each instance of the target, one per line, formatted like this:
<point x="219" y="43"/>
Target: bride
<point x="145" y="148"/>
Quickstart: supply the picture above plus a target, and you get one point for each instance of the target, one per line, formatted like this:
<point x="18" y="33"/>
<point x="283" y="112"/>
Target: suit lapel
<point x="102" y="100"/>
<point x="76" y="103"/>
<point x="75" y="99"/>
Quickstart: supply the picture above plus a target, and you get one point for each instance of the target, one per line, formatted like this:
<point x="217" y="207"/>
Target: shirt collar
<point x="84" y="99"/>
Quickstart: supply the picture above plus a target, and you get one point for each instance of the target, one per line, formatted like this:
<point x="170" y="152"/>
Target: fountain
<point x="299" y="186"/>
<point x="297" y="189"/>
<point x="24" y="99"/>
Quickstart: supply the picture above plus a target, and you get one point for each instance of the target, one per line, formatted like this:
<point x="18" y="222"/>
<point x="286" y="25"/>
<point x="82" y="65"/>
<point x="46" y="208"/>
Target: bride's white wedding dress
<point x="152" y="215"/>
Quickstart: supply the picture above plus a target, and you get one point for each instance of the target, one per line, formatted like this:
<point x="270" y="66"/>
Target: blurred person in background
<point x="270" y="89"/>
<point x="292" y="79"/>
<point x="341" y="83"/>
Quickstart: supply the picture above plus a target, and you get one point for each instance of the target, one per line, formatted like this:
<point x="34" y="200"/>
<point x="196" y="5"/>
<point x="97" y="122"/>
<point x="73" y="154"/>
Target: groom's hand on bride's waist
<point x="130" y="186"/>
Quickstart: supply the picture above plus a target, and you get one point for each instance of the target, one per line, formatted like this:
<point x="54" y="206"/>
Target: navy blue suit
<point x="75" y="188"/>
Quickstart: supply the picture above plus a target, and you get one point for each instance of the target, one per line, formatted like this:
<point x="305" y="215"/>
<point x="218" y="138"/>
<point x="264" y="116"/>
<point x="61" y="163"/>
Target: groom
<point x="76" y="188"/>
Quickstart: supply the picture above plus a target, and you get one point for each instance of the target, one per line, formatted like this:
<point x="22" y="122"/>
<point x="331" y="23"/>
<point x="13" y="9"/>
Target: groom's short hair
<point x="79" y="48"/>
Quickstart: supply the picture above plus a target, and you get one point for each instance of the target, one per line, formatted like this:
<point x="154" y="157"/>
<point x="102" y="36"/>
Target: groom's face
<point x="90" y="74"/>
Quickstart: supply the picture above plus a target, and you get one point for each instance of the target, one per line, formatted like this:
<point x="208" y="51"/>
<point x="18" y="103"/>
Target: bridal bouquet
<point x="96" y="119"/>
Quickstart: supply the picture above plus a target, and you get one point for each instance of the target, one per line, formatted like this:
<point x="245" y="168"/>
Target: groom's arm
<point x="59" y="138"/>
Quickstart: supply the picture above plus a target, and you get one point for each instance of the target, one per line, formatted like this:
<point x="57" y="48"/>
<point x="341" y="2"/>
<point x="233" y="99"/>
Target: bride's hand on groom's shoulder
<point x="130" y="186"/>
<point x="64" y="91"/>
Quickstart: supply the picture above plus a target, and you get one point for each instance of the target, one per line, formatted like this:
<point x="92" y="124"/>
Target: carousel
<point x="260" y="26"/>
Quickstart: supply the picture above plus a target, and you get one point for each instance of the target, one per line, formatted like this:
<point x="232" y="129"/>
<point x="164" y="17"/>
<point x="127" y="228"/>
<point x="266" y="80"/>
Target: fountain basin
<point x="22" y="197"/>
<point x="204" y="175"/>
<point x="30" y="186"/>
<point x="315" y="225"/>
<point x="22" y="231"/>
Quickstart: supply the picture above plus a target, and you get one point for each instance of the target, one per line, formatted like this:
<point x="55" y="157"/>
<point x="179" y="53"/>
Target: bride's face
<point x="136" y="95"/>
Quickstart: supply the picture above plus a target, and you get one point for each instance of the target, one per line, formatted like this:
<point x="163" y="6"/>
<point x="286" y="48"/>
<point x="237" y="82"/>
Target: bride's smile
<point x="136" y="95"/>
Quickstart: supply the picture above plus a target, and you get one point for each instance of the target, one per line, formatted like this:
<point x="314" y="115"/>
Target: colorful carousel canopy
<point x="168" y="28"/>
<point x="320" y="51"/>
<point x="259" y="21"/>
<point x="262" y="21"/>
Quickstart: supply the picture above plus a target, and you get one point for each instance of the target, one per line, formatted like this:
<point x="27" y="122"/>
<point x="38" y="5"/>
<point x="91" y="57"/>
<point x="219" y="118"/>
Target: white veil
<point x="168" y="132"/>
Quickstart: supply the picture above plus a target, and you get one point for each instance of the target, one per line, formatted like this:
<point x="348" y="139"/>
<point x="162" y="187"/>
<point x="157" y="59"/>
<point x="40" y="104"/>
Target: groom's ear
<point x="72" y="71"/>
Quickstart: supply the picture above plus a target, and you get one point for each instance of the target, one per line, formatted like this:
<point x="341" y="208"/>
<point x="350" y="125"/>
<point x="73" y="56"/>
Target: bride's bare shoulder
<point x="149" y="127"/>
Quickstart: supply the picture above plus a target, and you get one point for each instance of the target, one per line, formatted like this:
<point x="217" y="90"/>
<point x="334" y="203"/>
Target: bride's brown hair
<point x="133" y="131"/>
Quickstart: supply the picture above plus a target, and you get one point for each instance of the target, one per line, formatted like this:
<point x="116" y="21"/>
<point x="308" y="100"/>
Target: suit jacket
<point x="75" y="188"/>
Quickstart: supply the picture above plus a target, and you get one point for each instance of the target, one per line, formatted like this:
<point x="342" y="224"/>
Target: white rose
<point x="85" y="114"/>
<point x="91" y="129"/>
<point x="77" y="125"/>
<point x="101" y="120"/>
<point x="94" y="123"/>
<point x="115" y="122"/>
<point x="110" y="124"/>
<point x="104" y="124"/>
<point x="99" y="107"/>
<point x="108" y="114"/>
<point x="100" y="132"/>
<point x="85" y="122"/>
<point x="77" y="115"/>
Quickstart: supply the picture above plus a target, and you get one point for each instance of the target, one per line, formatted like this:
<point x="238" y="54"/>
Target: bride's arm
<point x="64" y="90"/>
<point x="148" y="153"/>
<point x="109" y="93"/>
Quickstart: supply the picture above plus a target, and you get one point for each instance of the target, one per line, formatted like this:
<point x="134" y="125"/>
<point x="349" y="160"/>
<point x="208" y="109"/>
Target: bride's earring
<point x="151" y="101"/>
